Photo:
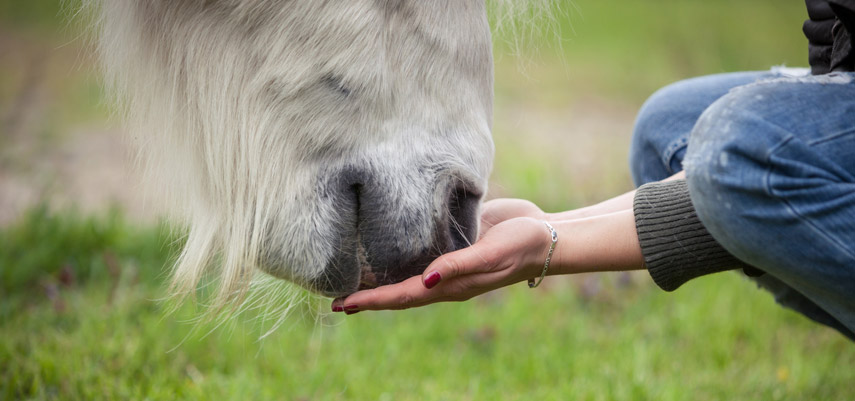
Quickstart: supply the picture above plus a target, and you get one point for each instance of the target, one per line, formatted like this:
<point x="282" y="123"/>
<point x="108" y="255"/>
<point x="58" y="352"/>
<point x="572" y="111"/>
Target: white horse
<point x="337" y="144"/>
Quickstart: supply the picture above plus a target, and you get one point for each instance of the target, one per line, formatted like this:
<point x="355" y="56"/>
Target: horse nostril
<point x="463" y="217"/>
<point x="384" y="236"/>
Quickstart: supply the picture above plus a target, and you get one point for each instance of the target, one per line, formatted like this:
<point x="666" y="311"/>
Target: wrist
<point x="530" y="240"/>
<point x="602" y="243"/>
<point x="553" y="240"/>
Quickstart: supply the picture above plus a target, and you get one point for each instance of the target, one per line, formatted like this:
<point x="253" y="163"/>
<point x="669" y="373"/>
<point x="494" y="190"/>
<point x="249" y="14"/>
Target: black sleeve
<point x="675" y="245"/>
<point x="843" y="49"/>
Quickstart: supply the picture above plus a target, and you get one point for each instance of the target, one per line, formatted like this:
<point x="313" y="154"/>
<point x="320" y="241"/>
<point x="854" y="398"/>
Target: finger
<point x="475" y="284"/>
<point x="410" y="294"/>
<point x="499" y="210"/>
<point x="478" y="258"/>
<point x="488" y="220"/>
<point x="489" y="217"/>
<point x="465" y="287"/>
<point x="491" y="214"/>
<point x="406" y="294"/>
<point x="486" y="225"/>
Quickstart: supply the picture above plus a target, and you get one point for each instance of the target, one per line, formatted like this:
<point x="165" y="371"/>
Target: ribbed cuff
<point x="675" y="245"/>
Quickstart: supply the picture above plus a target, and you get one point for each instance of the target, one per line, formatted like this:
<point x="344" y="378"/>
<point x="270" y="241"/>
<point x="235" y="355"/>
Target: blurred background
<point x="83" y="257"/>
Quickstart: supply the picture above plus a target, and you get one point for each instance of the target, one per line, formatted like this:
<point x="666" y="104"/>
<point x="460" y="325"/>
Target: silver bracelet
<point x="531" y="282"/>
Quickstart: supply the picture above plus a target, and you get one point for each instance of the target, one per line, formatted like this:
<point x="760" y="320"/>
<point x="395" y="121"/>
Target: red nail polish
<point x="432" y="280"/>
<point x="351" y="308"/>
<point x="336" y="304"/>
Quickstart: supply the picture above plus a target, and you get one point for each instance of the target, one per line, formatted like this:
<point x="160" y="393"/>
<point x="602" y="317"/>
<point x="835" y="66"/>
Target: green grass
<point x="106" y="336"/>
<point x="80" y="316"/>
<point x="628" y="49"/>
<point x="606" y="58"/>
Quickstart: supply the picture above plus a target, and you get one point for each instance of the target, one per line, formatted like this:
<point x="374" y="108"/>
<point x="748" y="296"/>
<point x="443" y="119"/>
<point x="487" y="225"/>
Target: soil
<point x="47" y="153"/>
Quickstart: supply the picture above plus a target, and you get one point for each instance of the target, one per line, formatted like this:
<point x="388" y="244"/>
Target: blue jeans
<point x="770" y="163"/>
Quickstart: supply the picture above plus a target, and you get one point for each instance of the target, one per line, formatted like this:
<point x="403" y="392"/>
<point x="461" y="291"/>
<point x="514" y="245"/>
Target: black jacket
<point x="828" y="30"/>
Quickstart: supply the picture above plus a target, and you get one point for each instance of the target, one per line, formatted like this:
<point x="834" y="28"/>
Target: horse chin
<point x="387" y="269"/>
<point x="367" y="278"/>
<point x="392" y="269"/>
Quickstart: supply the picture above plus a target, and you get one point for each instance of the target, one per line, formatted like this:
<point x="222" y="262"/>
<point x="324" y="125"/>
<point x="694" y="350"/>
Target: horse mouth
<point x="367" y="278"/>
<point x="367" y="281"/>
<point x="370" y="276"/>
<point x="458" y="230"/>
<point x="370" y="252"/>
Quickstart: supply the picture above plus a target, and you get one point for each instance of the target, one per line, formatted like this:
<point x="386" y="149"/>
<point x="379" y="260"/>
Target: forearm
<point x="616" y="204"/>
<point x="606" y="242"/>
<point x="514" y="248"/>
<point x="510" y="252"/>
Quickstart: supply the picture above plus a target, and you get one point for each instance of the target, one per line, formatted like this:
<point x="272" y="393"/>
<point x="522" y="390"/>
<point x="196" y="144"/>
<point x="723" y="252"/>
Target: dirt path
<point x="55" y="146"/>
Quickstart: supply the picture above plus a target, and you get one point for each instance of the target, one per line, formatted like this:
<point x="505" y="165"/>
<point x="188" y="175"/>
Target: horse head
<point x="337" y="145"/>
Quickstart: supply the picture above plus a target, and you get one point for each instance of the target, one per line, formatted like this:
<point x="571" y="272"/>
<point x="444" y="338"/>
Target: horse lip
<point x="367" y="278"/>
<point x="368" y="281"/>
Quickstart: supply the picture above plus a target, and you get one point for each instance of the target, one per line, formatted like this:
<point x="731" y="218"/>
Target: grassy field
<point x="82" y="321"/>
<point x="82" y="315"/>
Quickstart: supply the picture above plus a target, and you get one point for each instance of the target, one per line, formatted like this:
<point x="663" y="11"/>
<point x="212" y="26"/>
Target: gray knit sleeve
<point x="675" y="245"/>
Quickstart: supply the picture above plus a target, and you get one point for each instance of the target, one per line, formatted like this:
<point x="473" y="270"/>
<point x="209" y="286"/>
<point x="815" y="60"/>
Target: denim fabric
<point x="770" y="163"/>
<point x="665" y="121"/>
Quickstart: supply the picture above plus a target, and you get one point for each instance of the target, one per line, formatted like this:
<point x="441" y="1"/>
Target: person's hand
<point x="498" y="210"/>
<point x="511" y="251"/>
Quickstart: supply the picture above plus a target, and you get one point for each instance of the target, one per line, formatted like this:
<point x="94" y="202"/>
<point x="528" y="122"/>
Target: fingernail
<point x="336" y="304"/>
<point x="351" y="308"/>
<point x="432" y="280"/>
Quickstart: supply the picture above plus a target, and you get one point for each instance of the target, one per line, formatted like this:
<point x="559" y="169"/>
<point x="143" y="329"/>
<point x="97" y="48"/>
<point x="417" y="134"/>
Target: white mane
<point x="248" y="112"/>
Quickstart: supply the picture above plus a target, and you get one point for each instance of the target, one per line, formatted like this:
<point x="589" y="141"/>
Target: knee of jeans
<point x="726" y="164"/>
<point x="642" y="152"/>
<point x="646" y="147"/>
<point x="735" y="134"/>
<point x="642" y="160"/>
